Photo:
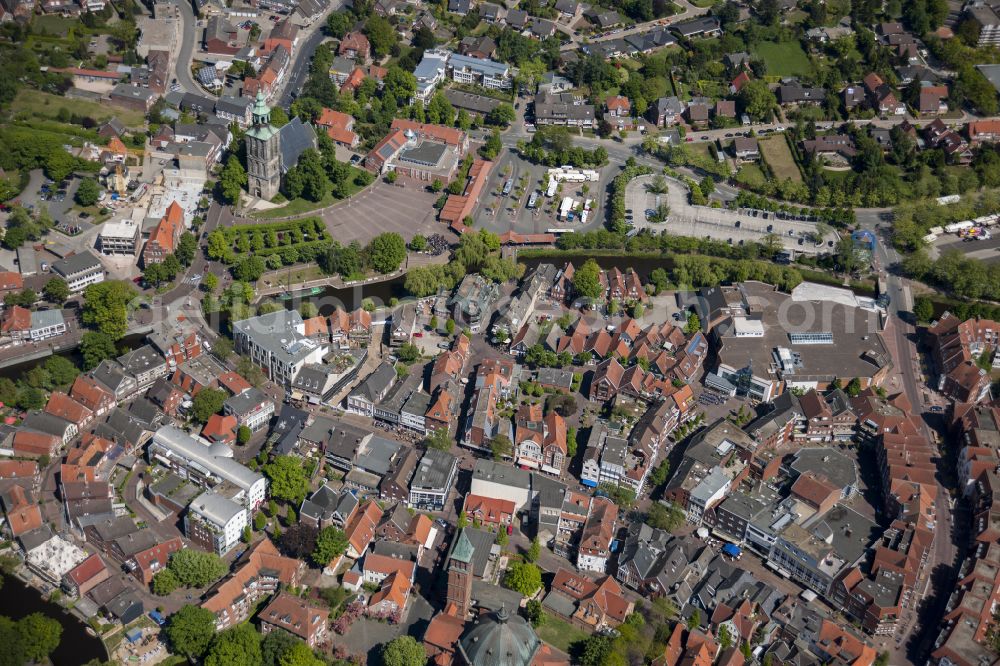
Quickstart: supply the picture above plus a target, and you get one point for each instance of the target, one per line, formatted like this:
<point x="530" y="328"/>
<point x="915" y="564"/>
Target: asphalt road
<point x="300" y="68"/>
<point x="907" y="359"/>
<point x="687" y="11"/>
<point x="190" y="36"/>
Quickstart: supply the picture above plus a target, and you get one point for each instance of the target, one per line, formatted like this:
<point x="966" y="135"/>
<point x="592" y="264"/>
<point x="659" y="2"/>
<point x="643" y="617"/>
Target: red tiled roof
<point x="383" y="564"/>
<point x="16" y="318"/>
<point x="24" y="519"/>
<point x="11" y="281"/>
<point x="294" y="616"/>
<point x="18" y="469"/>
<point x="86" y="570"/>
<point x="67" y="408"/>
<point x="35" y="443"/>
<point x="448" y="135"/>
<point x="234" y="382"/>
<point x="361" y="529"/>
<point x="220" y="428"/>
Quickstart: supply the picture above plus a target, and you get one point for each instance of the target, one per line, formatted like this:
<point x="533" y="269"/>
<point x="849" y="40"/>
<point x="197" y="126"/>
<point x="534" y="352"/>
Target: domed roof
<point x="500" y="640"/>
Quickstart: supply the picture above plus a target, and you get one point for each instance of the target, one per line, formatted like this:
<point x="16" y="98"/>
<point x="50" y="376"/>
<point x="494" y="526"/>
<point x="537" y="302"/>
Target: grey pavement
<point x="734" y="226"/>
<point x="190" y="36"/>
<point x="365" y="637"/>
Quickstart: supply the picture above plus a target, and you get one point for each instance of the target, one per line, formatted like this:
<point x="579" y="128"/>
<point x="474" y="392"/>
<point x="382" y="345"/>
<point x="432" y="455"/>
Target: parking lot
<point x="501" y="213"/>
<point x="406" y="210"/>
<point x="732" y="226"/>
<point x="984" y="250"/>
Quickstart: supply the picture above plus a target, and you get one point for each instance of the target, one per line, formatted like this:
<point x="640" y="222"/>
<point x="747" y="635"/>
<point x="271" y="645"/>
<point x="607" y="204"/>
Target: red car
<point x="418" y="335"/>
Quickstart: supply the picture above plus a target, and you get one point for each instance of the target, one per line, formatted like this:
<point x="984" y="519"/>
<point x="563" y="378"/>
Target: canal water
<point x="17" y="370"/>
<point x="75" y="647"/>
<point x="350" y="298"/>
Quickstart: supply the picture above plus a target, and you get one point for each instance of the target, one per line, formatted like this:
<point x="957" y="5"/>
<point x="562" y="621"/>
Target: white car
<point x="779" y="128"/>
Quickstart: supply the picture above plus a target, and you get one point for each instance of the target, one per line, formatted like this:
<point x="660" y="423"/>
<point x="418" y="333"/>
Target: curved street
<point x="185" y="52"/>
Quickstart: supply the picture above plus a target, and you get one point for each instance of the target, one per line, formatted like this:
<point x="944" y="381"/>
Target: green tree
<point x="275" y="646"/>
<point x="164" y="583"/>
<point x="725" y="637"/>
<point x="534" y="550"/>
<point x="38" y="636"/>
<point x="288" y="479"/>
<point x="533" y="612"/>
<point x="186" y="248"/>
<point x="669" y="517"/>
<point x="923" y="309"/>
<point x="502" y="116"/>
<point x="523" y="577"/>
<point x="259" y="521"/>
<point x="87" y="192"/>
<point x="492" y="147"/>
<point x="298" y="654"/>
<point x="330" y="544"/>
<point x="196" y="568"/>
<point x="449" y="326"/>
<point x="404" y="651"/>
<point x="338" y="24"/>
<point x="232" y="180"/>
<point x="694" y="622"/>
<point x="587" y="280"/>
<point x="105" y="307"/>
<point x="386" y="252"/>
<point x="418" y="243"/>
<point x="439" y="110"/>
<point x="408" y="353"/>
<point x="30" y="398"/>
<point x="56" y="290"/>
<point x="207" y="402"/>
<point x="210" y="282"/>
<point x="190" y="630"/>
<point x="438" y="439"/>
<point x="597" y="651"/>
<point x="381" y="35"/>
<point x="249" y="269"/>
<point x="693" y="324"/>
<point x="243" y="434"/>
<point x="219" y="248"/>
<point x="756" y="99"/>
<point x="62" y="371"/>
<point x="236" y="646"/>
<point x="96" y="346"/>
<point x="501" y="447"/>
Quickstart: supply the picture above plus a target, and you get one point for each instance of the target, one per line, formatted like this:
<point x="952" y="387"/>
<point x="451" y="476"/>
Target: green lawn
<point x="559" y="633"/>
<point x="301" y="206"/>
<point x="784" y="58"/>
<point x="53" y="24"/>
<point x="752" y="175"/>
<point x="36" y="103"/>
<point x="779" y="157"/>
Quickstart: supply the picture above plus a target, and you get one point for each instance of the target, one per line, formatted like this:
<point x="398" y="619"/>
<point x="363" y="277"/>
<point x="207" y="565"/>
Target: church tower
<point x="263" y="153"/>
<point x="460" y="575"/>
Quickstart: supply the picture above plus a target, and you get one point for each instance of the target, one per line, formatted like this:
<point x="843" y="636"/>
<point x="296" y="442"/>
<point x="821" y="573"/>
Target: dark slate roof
<point x="294" y="138"/>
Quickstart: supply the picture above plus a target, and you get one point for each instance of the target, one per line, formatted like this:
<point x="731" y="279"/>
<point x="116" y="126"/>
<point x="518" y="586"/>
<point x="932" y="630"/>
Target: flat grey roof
<point x="216" y="460"/>
<point x="215" y="508"/>
<point x="46" y="318"/>
<point x="434" y="470"/>
<point x="428" y="153"/>
<point x="76" y="264"/>
<point x="494" y="472"/>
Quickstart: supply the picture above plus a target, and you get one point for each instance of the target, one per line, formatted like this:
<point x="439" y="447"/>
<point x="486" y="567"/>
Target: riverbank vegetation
<point x="477" y="252"/>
